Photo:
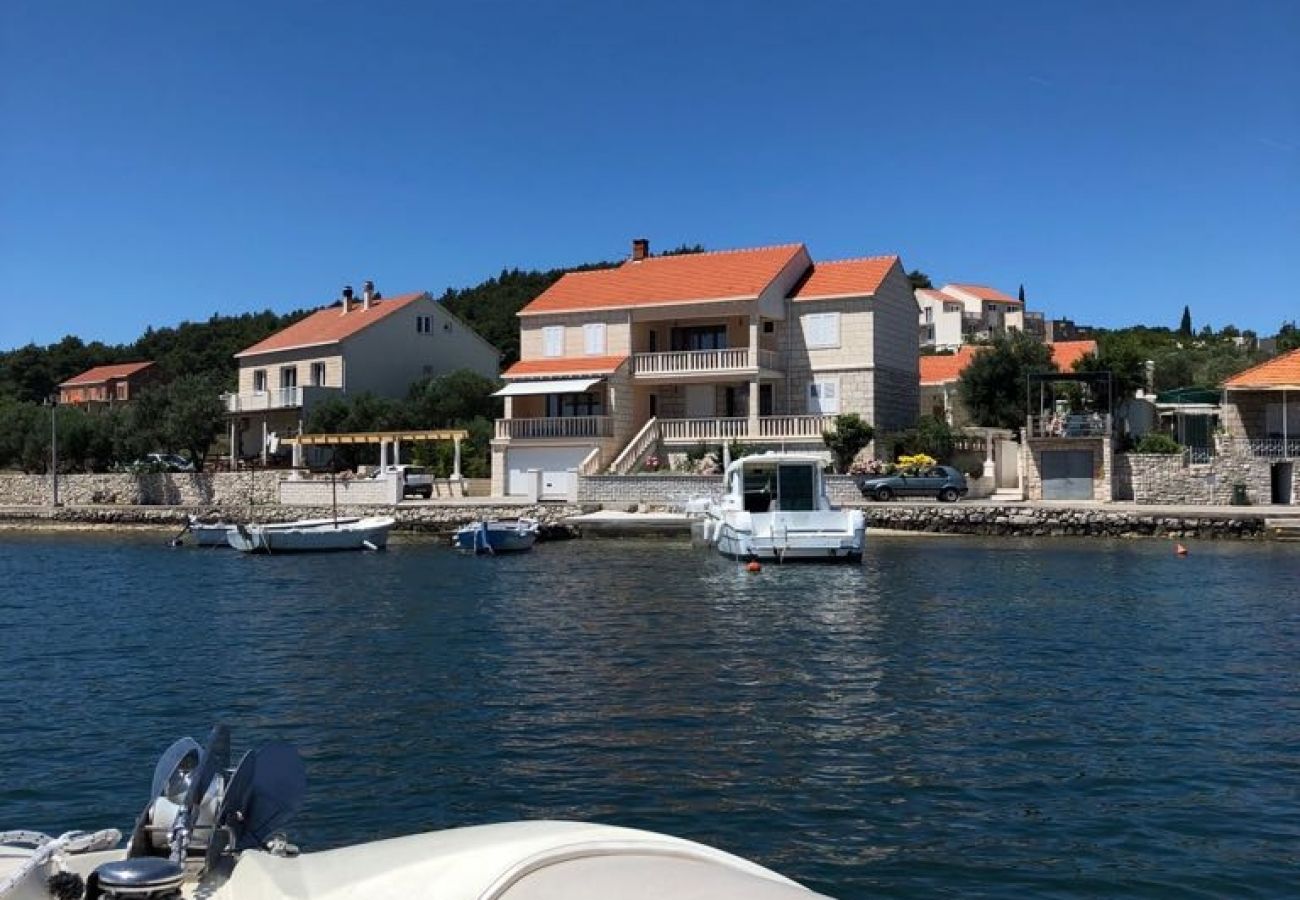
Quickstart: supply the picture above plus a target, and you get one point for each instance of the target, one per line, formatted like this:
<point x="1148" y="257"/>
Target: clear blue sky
<point x="163" y="161"/>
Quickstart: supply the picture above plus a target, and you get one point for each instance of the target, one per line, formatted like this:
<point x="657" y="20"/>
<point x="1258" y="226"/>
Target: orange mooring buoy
<point x="1180" y="549"/>
<point x="753" y="566"/>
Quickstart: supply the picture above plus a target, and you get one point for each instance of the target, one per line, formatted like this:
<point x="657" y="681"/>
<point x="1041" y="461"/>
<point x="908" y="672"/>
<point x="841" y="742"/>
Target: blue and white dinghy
<point x="497" y="536"/>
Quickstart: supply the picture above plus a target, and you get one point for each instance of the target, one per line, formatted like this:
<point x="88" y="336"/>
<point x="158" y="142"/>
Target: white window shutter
<point x="594" y="338"/>
<point x="553" y="340"/>
<point x="821" y="330"/>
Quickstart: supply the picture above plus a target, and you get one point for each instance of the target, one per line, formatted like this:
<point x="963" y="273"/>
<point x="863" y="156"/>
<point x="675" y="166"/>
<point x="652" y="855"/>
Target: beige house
<point x="371" y="344"/>
<point x="959" y="313"/>
<point x="1261" y="418"/>
<point x="668" y="353"/>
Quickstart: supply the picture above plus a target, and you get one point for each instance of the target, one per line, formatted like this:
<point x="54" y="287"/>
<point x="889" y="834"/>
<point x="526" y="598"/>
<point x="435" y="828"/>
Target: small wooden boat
<point x="313" y="535"/>
<point x="497" y="536"/>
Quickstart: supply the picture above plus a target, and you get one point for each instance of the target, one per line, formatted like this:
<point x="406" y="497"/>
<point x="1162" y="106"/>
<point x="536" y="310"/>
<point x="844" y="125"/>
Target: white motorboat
<point x="774" y="507"/>
<point x="308" y="535"/>
<point x="211" y="831"/>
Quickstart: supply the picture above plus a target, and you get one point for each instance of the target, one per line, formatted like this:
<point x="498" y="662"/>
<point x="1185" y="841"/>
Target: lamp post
<point x="53" y="404"/>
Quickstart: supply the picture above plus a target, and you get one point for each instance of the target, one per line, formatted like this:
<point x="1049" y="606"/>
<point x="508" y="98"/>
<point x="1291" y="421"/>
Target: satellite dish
<point x="171" y="777"/>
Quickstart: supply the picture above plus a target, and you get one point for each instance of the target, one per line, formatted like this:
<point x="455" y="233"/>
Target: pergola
<point x="385" y="440"/>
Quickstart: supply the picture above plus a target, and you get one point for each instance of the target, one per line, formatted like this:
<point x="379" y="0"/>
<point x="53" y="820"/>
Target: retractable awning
<point x="550" y="386"/>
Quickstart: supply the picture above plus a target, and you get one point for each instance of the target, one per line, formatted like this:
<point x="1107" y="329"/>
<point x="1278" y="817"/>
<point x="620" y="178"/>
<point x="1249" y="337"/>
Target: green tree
<point x="850" y="435"/>
<point x="453" y="399"/>
<point x="1288" y="337"/>
<point x="193" y="416"/>
<point x="1123" y="359"/>
<point x="1185" y="326"/>
<point x="920" y="280"/>
<point x="993" y="384"/>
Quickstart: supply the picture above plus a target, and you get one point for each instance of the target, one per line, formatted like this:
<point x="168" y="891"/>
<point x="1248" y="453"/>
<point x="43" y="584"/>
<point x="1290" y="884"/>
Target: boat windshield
<point x="788" y="488"/>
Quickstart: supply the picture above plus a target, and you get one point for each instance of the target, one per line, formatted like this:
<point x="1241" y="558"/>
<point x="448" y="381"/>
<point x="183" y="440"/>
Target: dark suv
<point x="944" y="482"/>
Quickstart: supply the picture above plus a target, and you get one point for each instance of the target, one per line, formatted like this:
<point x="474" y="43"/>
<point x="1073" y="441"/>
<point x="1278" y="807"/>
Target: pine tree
<point x="1185" y="328"/>
<point x="1022" y="295"/>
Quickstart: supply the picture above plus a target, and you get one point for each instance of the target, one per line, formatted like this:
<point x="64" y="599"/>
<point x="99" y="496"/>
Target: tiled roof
<point x="684" y="278"/>
<point x="936" y="295"/>
<point x="1066" y="353"/>
<point x="945" y="369"/>
<point x="100" y="374"/>
<point x="844" y="278"/>
<point x="330" y="325"/>
<point x="1280" y="371"/>
<point x="984" y="293"/>
<point x="565" y="365"/>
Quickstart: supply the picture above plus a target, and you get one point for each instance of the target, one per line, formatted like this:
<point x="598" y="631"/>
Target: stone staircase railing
<point x="637" y="449"/>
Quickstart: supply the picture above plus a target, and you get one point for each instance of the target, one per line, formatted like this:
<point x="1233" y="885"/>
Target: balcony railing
<point x="277" y="398"/>
<point x="1074" y="426"/>
<point x="771" y="429"/>
<point x="1266" y="448"/>
<point x="701" y="362"/>
<point x="556" y="427"/>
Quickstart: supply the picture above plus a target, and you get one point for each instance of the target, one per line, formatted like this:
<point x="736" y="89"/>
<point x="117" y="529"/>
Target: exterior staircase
<point x="1283" y="529"/>
<point x="637" y="450"/>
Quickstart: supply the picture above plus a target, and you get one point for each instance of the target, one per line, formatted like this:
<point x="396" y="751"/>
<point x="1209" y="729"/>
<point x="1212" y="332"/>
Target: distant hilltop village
<point x="621" y="368"/>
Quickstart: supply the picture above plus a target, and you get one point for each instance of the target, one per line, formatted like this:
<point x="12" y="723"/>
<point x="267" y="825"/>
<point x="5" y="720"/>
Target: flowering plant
<point x="652" y="464"/>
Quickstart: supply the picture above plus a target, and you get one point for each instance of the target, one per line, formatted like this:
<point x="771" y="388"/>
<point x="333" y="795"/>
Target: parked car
<point x="415" y="479"/>
<point x="161" y="462"/>
<point x="944" y="482"/>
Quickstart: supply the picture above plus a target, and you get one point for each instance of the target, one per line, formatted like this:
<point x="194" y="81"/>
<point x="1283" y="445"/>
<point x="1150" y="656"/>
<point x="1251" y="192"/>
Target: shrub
<point x="851" y="434"/>
<point x="1158" y="442"/>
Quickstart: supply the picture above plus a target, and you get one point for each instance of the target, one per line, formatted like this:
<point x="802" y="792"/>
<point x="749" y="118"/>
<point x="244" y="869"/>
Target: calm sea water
<point x="956" y="717"/>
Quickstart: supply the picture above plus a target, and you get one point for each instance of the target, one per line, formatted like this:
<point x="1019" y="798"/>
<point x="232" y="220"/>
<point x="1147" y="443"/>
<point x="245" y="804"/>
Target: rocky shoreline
<point x="1023" y="520"/>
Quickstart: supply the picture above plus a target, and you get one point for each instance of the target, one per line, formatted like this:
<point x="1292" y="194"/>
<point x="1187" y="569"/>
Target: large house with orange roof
<point x="940" y="374"/>
<point x="115" y="383"/>
<point x="663" y="354"/>
<point x="368" y="344"/>
<point x="957" y="314"/>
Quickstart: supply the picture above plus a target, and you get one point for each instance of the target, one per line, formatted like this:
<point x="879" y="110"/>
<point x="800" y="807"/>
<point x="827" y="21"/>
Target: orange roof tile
<point x="330" y="325"/>
<point x="936" y="295"/>
<point x="844" y="278"/>
<point x="1278" y="372"/>
<point x="1066" y="353"/>
<point x="945" y="369"/>
<point x="565" y="365"/>
<point x="685" y="278"/>
<point x="100" y="374"/>
<point x="984" y="293"/>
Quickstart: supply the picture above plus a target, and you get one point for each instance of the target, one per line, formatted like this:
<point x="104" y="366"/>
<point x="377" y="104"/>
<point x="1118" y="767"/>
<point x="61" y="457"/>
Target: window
<point x="424" y="324"/>
<point x="553" y="340"/>
<point x="593" y="338"/>
<point x="769" y="327"/>
<point x="318" y="373"/>
<point x="821" y="330"/>
<point x="259" y="381"/>
<point x="824" y="396"/>
<point x="699" y="337"/>
<point x="564" y="405"/>
<point x="288" y="376"/>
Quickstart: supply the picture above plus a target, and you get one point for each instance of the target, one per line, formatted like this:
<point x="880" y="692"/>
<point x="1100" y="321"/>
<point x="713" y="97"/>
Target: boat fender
<point x="754" y="566"/>
<point x="1180" y="550"/>
<point x="368" y="545"/>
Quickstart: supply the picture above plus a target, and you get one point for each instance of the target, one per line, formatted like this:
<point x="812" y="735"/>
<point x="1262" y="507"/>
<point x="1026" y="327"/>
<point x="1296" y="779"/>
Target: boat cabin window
<point x="787" y="488"/>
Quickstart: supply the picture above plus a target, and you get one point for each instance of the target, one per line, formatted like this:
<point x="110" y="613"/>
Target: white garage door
<point x="554" y="464"/>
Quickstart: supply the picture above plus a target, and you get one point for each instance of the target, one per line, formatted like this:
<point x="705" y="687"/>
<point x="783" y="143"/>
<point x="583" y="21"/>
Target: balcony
<point x="771" y="429"/>
<point x="279" y="398"/>
<point x="1084" y="425"/>
<point x="556" y="427"/>
<point x="1264" y="448"/>
<point x="678" y="363"/>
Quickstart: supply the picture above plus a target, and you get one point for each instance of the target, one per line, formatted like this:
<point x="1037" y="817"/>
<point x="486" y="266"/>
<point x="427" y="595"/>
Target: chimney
<point x="368" y="295"/>
<point x="640" y="249"/>
<point x="347" y="299"/>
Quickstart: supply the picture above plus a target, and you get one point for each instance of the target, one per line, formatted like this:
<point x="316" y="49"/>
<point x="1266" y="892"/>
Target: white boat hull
<point x="317" y="535"/>
<point x="839" y="536"/>
<point x="575" y="860"/>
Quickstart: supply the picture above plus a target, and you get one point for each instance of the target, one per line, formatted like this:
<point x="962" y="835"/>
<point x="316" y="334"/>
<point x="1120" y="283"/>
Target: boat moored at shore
<point x="313" y="535"/>
<point x="774" y="507"/>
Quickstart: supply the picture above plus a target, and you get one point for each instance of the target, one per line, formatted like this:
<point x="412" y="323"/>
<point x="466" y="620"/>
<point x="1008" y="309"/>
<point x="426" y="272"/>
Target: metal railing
<point x="692" y="362"/>
<point x="556" y="427"/>
<point x="276" y="398"/>
<point x="1085" y="425"/>
<point x="1266" y="448"/>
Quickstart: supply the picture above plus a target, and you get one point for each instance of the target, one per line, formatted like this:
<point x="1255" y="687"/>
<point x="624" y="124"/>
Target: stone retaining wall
<point x="1166" y="479"/>
<point x="1059" y="521"/>
<point x="226" y="489"/>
